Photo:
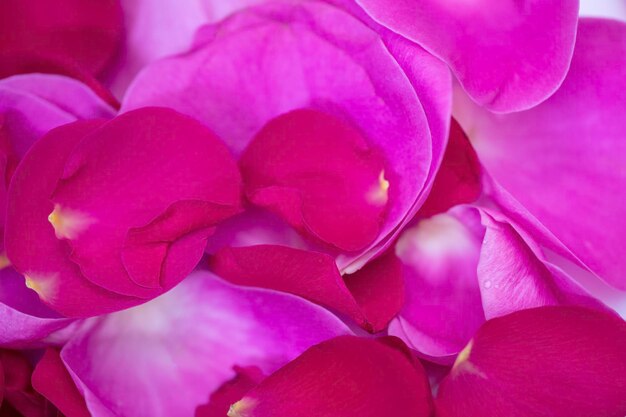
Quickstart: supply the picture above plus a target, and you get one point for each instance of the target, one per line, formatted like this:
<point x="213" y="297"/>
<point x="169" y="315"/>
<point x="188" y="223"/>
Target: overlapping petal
<point x="345" y="376"/>
<point x="182" y="346"/>
<point x="564" y="160"/>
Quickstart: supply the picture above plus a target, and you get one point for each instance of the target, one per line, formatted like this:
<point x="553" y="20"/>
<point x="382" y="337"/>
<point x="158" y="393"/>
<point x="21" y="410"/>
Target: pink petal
<point x="270" y="60"/>
<point x="52" y="380"/>
<point x="146" y="40"/>
<point x="345" y="376"/>
<point x="509" y="55"/>
<point x="83" y="32"/>
<point x="564" y="160"/>
<point x="378" y="290"/>
<point x="320" y="175"/>
<point x="183" y="346"/>
<point x="544" y="362"/>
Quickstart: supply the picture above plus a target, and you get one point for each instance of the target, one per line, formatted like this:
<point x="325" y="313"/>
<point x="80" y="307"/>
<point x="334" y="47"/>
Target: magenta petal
<point x="182" y="346"/>
<point x="27" y="215"/>
<point x="52" y="380"/>
<point x="508" y="55"/>
<point x="564" y="160"/>
<point x="543" y="362"/>
<point x="320" y="175"/>
<point x="231" y="392"/>
<point x="345" y="376"/>
<point x="378" y="288"/>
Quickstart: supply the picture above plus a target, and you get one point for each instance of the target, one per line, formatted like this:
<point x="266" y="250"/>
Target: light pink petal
<point x="158" y="28"/>
<point x="182" y="346"/>
<point x="443" y="305"/>
<point x="345" y="376"/>
<point x="613" y="9"/>
<point x="564" y="160"/>
<point x="273" y="59"/>
<point x="509" y="55"/>
<point x="543" y="362"/>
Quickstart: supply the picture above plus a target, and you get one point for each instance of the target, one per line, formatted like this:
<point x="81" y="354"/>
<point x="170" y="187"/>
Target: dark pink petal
<point x="346" y="376"/>
<point x="20" y="400"/>
<point x="52" y="380"/>
<point x="458" y="180"/>
<point x="124" y="211"/>
<point x="378" y="292"/>
<point x="182" y="346"/>
<point x="564" y="160"/>
<point x="320" y="175"/>
<point x="85" y="33"/>
<point x="509" y="55"/>
<point x="231" y="392"/>
<point x="543" y="362"/>
<point x="57" y="280"/>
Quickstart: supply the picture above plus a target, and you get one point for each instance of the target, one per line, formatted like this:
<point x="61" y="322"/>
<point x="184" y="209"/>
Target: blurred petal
<point x="543" y="362"/>
<point x="564" y="160"/>
<point x="52" y="380"/>
<point x="345" y="376"/>
<point x="183" y="345"/>
<point x="509" y="55"/>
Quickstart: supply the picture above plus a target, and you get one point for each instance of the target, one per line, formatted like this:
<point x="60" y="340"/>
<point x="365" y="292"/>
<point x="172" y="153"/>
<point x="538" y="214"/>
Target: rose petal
<point x="508" y="55"/>
<point x="320" y="175"/>
<point x="550" y="361"/>
<point x="231" y="392"/>
<point x="345" y="376"/>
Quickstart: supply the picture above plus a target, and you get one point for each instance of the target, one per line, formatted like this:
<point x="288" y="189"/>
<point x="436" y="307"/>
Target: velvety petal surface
<point x="543" y="362"/>
<point x="564" y="160"/>
<point x="183" y="346"/>
<point x="346" y="376"/>
<point x="82" y="32"/>
<point x="269" y="60"/>
<point x="508" y="55"/>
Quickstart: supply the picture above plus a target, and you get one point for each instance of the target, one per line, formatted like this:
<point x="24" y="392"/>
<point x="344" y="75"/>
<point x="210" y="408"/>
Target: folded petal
<point x="509" y="55"/>
<point x="542" y="362"/>
<point x="346" y="376"/>
<point x="564" y="160"/>
<point x="371" y="296"/>
<point x="182" y="346"/>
